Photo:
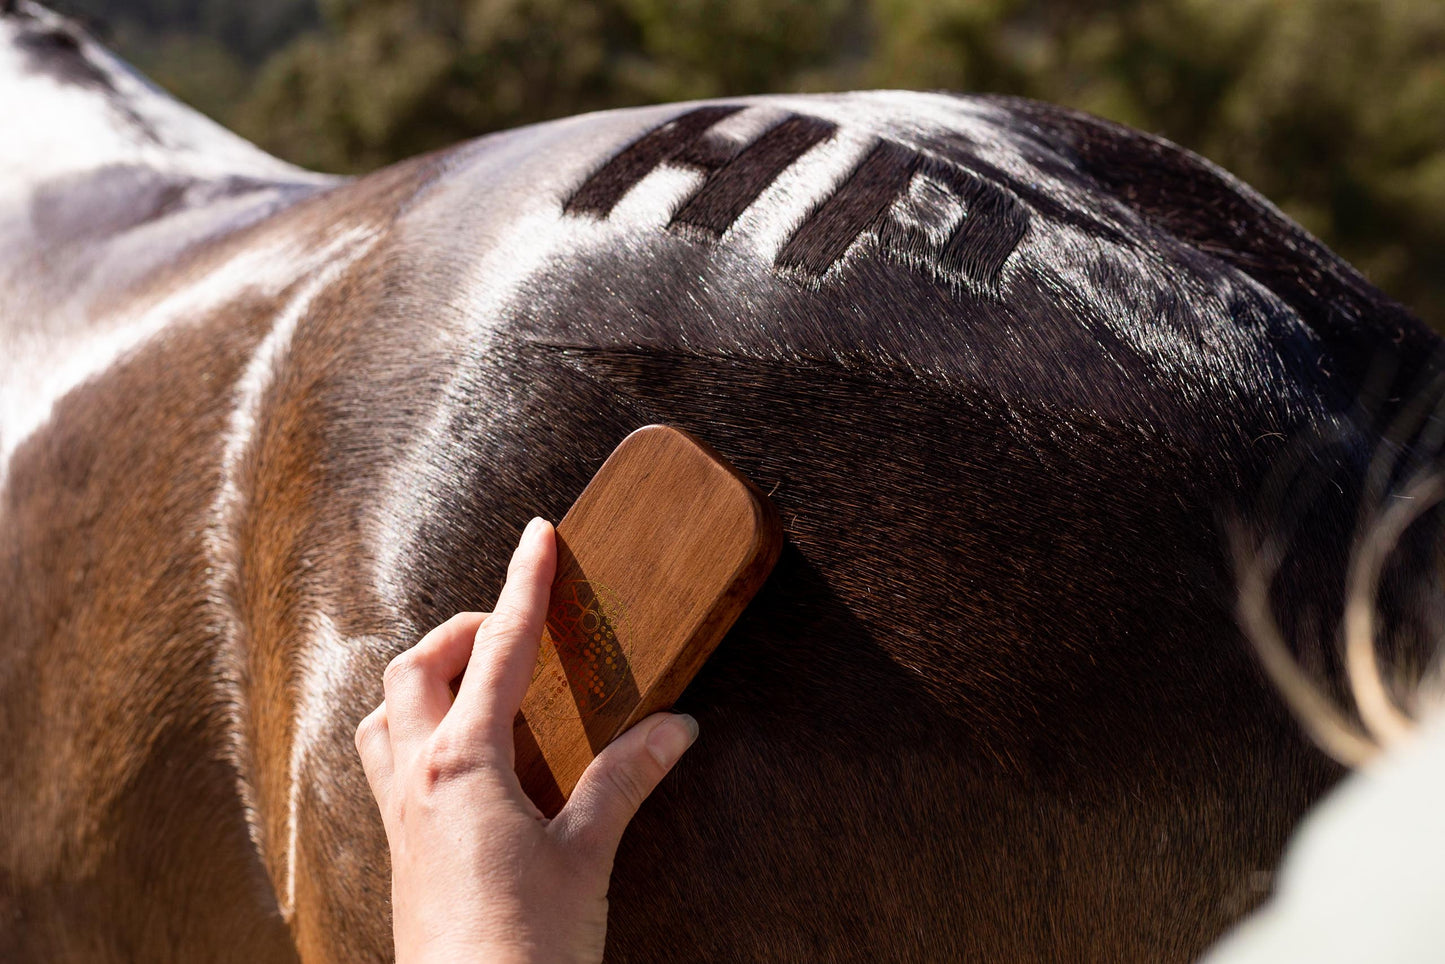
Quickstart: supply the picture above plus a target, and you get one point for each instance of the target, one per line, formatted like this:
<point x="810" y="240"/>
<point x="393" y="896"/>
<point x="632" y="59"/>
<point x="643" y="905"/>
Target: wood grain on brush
<point x="655" y="562"/>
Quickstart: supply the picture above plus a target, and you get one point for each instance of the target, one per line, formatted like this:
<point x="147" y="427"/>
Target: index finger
<point x="505" y="652"/>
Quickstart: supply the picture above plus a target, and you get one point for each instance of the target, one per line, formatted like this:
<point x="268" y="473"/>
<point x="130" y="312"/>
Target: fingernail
<point x="534" y="527"/>
<point x="670" y="738"/>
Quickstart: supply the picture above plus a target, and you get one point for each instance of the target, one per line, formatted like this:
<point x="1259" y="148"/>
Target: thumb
<point x="615" y="783"/>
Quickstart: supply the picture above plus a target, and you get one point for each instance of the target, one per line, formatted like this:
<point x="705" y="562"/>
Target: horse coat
<point x="1001" y="367"/>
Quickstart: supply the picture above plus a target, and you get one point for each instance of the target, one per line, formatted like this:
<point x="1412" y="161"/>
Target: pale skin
<point x="478" y="873"/>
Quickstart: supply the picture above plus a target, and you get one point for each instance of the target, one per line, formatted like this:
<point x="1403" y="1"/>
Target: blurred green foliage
<point x="1334" y="109"/>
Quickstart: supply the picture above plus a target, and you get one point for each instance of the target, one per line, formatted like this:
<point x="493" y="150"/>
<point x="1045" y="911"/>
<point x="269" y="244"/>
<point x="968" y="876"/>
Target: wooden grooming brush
<point x="655" y="562"/>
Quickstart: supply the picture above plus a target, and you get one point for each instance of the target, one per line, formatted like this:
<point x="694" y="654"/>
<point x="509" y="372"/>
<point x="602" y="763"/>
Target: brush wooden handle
<point x="656" y="560"/>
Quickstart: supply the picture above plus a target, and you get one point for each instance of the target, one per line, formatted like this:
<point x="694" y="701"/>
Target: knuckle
<point x="449" y="756"/>
<point x="365" y="730"/>
<point x="627" y="784"/>
<point x="507" y="624"/>
<point x="445" y="749"/>
<point x="458" y="623"/>
<point x="462" y="619"/>
<point x="520" y="562"/>
<point x="440" y="764"/>
<point x="400" y="670"/>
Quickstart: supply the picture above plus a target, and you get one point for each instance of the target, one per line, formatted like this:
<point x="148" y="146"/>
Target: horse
<point x="1002" y="367"/>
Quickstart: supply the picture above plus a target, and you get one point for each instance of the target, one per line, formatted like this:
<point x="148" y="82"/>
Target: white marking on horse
<point x="333" y="259"/>
<point x="62" y="127"/>
<point x="54" y="366"/>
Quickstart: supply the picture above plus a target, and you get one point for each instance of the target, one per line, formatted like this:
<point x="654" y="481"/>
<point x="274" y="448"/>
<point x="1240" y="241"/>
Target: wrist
<point x="471" y="954"/>
<point x="507" y="955"/>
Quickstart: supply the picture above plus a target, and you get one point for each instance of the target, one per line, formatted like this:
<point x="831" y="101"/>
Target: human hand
<point x="478" y="873"/>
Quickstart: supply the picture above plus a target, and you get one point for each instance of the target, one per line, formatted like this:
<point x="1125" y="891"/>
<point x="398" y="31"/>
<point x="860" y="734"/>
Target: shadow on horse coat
<point x="1001" y="366"/>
